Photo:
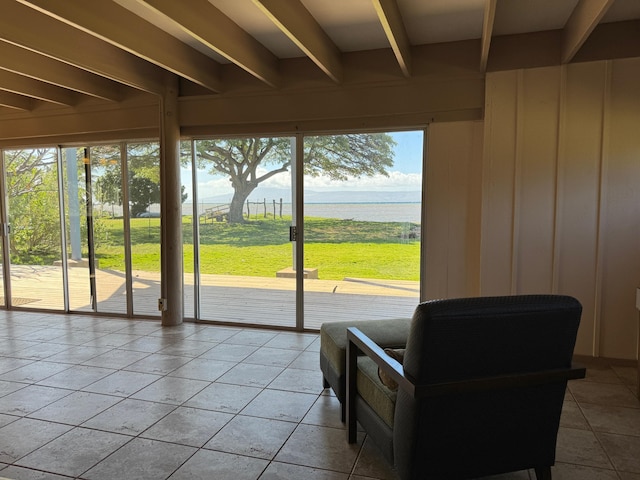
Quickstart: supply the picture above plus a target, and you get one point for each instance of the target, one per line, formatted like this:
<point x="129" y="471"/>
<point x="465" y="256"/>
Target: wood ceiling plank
<point x="391" y="20"/>
<point x="118" y="26"/>
<point x="584" y="18"/>
<point x="301" y="27"/>
<point x="211" y="27"/>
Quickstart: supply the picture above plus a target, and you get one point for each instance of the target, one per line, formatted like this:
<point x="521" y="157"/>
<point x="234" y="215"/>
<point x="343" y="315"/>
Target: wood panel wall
<point x="561" y="193"/>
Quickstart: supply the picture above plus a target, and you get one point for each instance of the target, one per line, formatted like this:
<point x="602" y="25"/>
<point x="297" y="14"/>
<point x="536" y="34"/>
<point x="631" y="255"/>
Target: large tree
<point x="336" y="156"/>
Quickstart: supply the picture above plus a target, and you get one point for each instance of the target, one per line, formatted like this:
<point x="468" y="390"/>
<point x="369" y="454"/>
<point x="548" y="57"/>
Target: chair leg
<point x="325" y="384"/>
<point x="543" y="473"/>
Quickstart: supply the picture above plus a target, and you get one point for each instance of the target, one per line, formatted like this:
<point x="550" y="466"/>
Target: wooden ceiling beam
<point x="391" y="20"/>
<point x="29" y="87"/>
<point x="210" y="26"/>
<point x="584" y="18"/>
<point x="33" y="65"/>
<point x="15" y="101"/>
<point x="121" y="28"/>
<point x="295" y="21"/>
<point x="63" y="43"/>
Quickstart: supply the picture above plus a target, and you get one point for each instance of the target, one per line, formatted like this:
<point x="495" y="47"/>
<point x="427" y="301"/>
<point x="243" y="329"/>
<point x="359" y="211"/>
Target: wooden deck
<point x="224" y="298"/>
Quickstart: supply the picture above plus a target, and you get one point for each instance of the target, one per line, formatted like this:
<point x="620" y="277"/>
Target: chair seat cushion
<point x="391" y="333"/>
<point x="381" y="399"/>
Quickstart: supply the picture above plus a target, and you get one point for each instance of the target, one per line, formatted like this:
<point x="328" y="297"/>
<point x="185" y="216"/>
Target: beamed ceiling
<point x="73" y="51"/>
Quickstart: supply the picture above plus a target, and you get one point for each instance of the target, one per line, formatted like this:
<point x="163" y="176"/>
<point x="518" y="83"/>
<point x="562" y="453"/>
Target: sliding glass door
<point x="33" y="228"/>
<point x="362" y="226"/>
<point x="360" y="237"/>
<point x="95" y="229"/>
<point x="242" y="210"/>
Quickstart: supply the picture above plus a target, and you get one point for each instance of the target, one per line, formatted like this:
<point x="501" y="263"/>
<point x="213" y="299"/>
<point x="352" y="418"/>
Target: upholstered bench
<point x="390" y="333"/>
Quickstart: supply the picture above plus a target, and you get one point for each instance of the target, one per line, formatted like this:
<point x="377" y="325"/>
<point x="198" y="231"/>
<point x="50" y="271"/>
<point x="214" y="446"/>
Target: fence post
<point x="280" y="207"/>
<point x="264" y="203"/>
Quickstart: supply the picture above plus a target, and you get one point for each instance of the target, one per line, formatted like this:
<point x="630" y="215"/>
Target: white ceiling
<point x="89" y="47"/>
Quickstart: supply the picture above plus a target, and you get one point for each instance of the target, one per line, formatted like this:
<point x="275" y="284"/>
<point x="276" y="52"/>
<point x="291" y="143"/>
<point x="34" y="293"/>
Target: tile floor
<point x="99" y="398"/>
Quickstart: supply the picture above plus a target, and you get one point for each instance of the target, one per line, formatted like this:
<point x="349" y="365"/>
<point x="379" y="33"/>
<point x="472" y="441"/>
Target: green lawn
<point x="338" y="248"/>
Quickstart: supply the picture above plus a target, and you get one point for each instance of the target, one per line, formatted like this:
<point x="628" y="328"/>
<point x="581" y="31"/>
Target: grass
<point x="338" y="248"/>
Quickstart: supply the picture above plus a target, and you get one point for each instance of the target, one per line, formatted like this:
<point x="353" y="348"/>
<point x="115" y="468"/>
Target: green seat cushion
<point x="380" y="398"/>
<point x="390" y="333"/>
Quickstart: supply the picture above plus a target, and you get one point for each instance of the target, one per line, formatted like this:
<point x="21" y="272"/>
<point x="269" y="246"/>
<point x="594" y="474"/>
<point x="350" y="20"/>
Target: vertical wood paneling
<point x="537" y="153"/>
<point x="621" y="225"/>
<point x="561" y="193"/>
<point x="579" y="167"/>
<point x="536" y="180"/>
<point x="453" y="209"/>
<point x="437" y="212"/>
<point x="498" y="183"/>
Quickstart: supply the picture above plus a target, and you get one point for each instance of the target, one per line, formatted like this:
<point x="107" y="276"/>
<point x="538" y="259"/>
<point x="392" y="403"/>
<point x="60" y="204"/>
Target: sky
<point x="405" y="175"/>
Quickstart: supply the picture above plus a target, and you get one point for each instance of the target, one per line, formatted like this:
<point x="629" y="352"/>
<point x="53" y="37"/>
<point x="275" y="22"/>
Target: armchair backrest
<point x="486" y="336"/>
<point x="467" y="435"/>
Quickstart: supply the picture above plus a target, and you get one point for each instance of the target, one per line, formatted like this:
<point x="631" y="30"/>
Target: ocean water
<point x="369" y="212"/>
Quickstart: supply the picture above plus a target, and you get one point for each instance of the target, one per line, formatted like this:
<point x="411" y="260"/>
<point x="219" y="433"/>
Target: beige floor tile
<point x="76" y="408"/>
<point x="129" y="417"/>
<point x="173" y="390"/>
<point x="28" y="474"/>
<point x="320" y="447"/>
<point x="601" y="374"/>
<point x="566" y="471"/>
<point x="612" y="419"/>
<point x="74" y="452"/>
<point x="280" y="405"/>
<point x="209" y="464"/>
<point x="25" y="435"/>
<point x="251" y="375"/>
<point x="604" y="394"/>
<point x="252" y="436"/>
<point x="223" y="397"/>
<point x="572" y="415"/>
<point x="141" y="459"/>
<point x="623" y="450"/>
<point x="371" y="463"/>
<point x="285" y="471"/>
<point x="203" y="369"/>
<point x="188" y="426"/>
<point x="580" y="447"/>
<point x="122" y="383"/>
<point x="325" y="412"/>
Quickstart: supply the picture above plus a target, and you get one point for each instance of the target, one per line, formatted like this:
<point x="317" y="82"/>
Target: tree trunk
<point x="236" y="209"/>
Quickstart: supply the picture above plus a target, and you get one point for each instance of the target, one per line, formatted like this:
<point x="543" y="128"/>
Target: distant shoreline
<point x="361" y="211"/>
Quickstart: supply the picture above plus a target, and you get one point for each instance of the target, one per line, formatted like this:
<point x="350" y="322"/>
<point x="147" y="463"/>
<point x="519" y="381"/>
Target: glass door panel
<point x="34" y="218"/>
<point x="362" y="232"/>
<point x="143" y="169"/>
<point x="244" y="213"/>
<point x="95" y="229"/>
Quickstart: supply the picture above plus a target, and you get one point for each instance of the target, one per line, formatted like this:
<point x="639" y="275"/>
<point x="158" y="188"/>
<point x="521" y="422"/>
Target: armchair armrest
<point x="359" y="342"/>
